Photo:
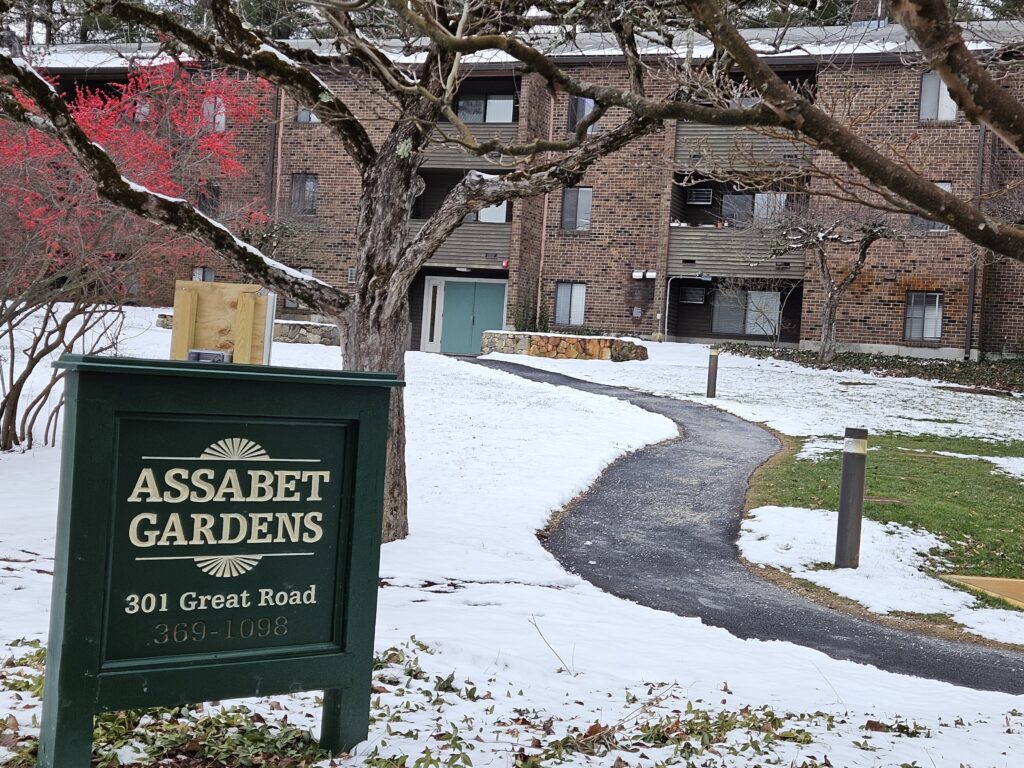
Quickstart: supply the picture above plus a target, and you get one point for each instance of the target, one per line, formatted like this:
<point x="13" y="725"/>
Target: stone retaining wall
<point x="295" y="333"/>
<point x="562" y="346"/>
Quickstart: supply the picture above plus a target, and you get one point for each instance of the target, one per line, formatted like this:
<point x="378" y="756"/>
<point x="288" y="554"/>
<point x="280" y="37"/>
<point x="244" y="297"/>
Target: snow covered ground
<point x="803" y="401"/>
<point x="890" y="577"/>
<point x="490" y="457"/>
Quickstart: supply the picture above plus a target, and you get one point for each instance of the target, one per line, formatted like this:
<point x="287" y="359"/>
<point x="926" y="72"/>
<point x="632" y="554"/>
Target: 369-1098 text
<point x="229" y="629"/>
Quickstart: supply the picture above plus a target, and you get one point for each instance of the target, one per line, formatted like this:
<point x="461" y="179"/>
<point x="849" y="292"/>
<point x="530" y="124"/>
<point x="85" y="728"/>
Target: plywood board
<point x="226" y="316"/>
<point x="1010" y="590"/>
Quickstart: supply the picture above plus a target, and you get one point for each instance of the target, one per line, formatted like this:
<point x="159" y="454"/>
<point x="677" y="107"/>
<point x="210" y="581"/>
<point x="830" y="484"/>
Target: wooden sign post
<point x="228" y="317"/>
<point x="218" y="537"/>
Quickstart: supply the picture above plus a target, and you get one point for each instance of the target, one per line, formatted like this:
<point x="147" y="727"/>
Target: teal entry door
<point x="470" y="308"/>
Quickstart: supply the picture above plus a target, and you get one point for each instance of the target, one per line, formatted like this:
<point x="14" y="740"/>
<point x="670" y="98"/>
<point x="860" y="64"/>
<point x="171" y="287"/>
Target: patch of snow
<point x="490" y="457"/>
<point x="1012" y="466"/>
<point x="801" y="401"/>
<point x="891" y="575"/>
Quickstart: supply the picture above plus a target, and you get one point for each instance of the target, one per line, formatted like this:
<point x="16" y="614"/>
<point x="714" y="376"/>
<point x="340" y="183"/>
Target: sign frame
<point x="100" y="394"/>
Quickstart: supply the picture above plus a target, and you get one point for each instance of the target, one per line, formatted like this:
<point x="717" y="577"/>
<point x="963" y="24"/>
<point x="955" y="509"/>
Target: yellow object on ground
<point x="1010" y="590"/>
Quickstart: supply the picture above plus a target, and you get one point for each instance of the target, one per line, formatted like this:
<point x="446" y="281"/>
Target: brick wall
<point x="882" y="102"/>
<point x="629" y="227"/>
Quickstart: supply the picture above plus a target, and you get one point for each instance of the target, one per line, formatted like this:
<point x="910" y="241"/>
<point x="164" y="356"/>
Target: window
<point x="579" y="108"/>
<point x="936" y="103"/>
<point x="306" y="116"/>
<point x="493" y="214"/>
<point x="921" y="224"/>
<point x="737" y="209"/>
<point x="304" y="188"/>
<point x="142" y="111"/>
<point x="214" y="117"/>
<point x="576" y="203"/>
<point x="699" y="196"/>
<point x="746" y="313"/>
<point x="496" y="108"/>
<point x="769" y="205"/>
<point x="208" y="199"/>
<point x="291" y="303"/>
<point x="922" y="316"/>
<point x="570" y="299"/>
<point x="351" y="275"/>
<point x="203" y="274"/>
<point x="690" y="294"/>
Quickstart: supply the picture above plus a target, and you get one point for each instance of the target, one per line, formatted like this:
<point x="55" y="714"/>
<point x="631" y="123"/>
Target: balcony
<point x="726" y="147"/>
<point x="454" y="157"/>
<point x="474" y="245"/>
<point x="728" y="252"/>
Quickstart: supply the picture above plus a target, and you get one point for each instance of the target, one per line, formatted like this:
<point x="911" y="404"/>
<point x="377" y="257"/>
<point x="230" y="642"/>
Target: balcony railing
<point x="453" y="156"/>
<point x="727" y="252"/>
<point x="726" y="147"/>
<point x="475" y="245"/>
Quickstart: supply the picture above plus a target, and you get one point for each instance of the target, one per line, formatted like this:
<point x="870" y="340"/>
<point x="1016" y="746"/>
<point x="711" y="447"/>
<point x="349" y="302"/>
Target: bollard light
<point x="851" y="498"/>
<point x="713" y="371"/>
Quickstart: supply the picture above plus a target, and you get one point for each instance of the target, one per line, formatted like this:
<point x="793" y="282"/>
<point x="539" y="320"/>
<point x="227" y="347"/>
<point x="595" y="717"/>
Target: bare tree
<point x="374" y="316"/>
<point x="838" y="245"/>
<point x="654" y="42"/>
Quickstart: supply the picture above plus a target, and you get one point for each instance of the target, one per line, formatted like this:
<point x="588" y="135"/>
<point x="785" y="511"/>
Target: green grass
<point x="980" y="514"/>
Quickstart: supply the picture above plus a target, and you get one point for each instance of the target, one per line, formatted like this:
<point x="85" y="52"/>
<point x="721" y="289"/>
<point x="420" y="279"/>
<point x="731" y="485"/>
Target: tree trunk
<point x="9" y="417"/>
<point x="829" y="310"/>
<point x="381" y="347"/>
<point x="376" y="326"/>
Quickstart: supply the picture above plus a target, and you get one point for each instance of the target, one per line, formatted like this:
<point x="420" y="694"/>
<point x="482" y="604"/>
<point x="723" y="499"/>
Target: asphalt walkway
<point x="659" y="527"/>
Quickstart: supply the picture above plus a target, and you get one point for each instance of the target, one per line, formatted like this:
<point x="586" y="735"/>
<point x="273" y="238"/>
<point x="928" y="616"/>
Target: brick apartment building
<point x="657" y="240"/>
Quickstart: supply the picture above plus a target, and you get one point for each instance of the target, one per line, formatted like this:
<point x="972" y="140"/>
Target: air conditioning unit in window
<point x="699" y="196"/>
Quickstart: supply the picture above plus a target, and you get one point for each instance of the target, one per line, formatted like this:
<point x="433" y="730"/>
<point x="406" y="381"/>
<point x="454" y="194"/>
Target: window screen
<point x="576" y="205"/>
<point x="922" y="318"/>
<point x="936" y="103"/>
<point x="304" y="189"/>
<point x="570" y="299"/>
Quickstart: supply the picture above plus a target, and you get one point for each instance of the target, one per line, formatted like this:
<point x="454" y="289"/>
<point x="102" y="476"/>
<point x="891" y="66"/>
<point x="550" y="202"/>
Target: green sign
<point x="218" y="536"/>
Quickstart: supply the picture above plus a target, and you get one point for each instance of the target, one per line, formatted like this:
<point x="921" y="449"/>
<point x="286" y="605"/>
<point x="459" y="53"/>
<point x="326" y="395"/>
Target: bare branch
<point x="248" y="51"/>
<point x="172" y="212"/>
<point x="973" y="89"/>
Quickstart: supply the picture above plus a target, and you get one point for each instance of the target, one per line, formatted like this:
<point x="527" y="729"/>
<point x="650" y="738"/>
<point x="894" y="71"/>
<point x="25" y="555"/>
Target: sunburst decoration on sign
<point x="237" y="449"/>
<point x="226" y="566"/>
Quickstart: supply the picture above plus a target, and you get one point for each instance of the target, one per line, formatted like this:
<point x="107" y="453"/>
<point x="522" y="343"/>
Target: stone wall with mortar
<point x="562" y="346"/>
<point x="292" y="332"/>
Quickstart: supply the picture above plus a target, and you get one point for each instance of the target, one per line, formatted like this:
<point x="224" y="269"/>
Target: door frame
<point x="439" y="281"/>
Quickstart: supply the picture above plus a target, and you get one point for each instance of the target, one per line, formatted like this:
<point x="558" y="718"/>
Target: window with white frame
<point x="570" y="300"/>
<point x="304" y="189"/>
<point x="491" y="108"/>
<point x="922" y="316"/>
<point x="936" y="103"/>
<point x="580" y="108"/>
<point x="350" y="275"/>
<point x="492" y="214"/>
<point x="306" y="116"/>
<point x="203" y="274"/>
<point x="576" y="207"/>
<point x="291" y="303"/>
<point x="214" y="115"/>
<point x="921" y="224"/>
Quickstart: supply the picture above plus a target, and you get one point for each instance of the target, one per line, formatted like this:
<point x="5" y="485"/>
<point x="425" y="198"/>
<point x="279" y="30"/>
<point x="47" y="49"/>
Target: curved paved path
<point x="662" y="524"/>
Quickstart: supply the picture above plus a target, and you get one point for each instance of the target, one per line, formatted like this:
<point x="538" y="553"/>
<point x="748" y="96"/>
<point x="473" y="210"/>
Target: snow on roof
<point x="97" y="57"/>
<point x="793" y="42"/>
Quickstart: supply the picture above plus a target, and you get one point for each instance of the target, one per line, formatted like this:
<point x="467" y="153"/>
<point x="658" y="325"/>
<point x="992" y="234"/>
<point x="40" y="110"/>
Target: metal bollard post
<point x="712" y="371"/>
<point x="851" y="498"/>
